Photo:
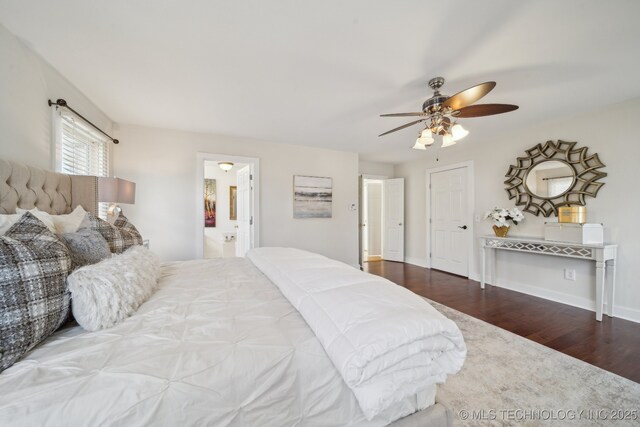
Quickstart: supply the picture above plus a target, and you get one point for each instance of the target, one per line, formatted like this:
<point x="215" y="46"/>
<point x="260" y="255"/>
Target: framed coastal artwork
<point x="312" y="196"/>
<point x="209" y="202"/>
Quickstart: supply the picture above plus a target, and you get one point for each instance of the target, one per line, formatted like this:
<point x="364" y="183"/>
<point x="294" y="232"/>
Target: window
<point x="80" y="149"/>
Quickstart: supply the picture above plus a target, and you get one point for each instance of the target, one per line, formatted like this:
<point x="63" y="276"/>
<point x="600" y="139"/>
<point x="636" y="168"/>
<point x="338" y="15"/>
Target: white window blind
<point x="80" y="149"/>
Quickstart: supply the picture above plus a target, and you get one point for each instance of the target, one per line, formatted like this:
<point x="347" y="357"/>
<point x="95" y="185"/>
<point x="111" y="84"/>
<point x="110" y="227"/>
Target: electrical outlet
<point x="569" y="274"/>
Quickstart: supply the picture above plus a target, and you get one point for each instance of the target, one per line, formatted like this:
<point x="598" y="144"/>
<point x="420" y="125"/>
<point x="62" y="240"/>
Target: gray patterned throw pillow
<point x="121" y="235"/>
<point x="86" y="246"/>
<point x="34" y="301"/>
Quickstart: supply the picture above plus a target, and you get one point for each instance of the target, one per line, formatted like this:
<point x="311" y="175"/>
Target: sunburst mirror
<point x="552" y="175"/>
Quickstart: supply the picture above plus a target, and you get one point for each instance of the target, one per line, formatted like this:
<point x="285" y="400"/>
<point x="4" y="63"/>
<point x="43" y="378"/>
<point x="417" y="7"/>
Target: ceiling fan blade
<point x="484" y="110"/>
<point x="468" y="96"/>
<point x="401" y="127"/>
<point x="403" y="114"/>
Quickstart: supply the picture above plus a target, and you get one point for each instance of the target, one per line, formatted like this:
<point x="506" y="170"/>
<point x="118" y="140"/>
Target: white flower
<point x="502" y="217"/>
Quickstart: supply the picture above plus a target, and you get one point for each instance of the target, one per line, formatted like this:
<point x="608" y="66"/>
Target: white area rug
<point x="510" y="380"/>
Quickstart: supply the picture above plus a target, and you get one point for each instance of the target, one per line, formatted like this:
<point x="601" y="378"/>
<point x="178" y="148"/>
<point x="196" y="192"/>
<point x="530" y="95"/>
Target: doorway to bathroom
<point x="227" y="205"/>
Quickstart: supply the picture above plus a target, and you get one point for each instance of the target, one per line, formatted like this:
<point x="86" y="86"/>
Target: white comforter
<point x="386" y="342"/>
<point x="217" y="344"/>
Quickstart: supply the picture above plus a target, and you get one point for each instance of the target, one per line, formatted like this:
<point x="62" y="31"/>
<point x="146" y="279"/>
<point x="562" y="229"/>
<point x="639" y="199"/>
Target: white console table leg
<point x="600" y="279"/>
<point x="611" y="289"/>
<point x="484" y="266"/>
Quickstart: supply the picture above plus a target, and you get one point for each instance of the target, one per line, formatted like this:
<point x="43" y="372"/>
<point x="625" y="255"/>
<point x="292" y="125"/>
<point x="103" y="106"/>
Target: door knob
<point x="464" y="227"/>
<point x="400" y="223"/>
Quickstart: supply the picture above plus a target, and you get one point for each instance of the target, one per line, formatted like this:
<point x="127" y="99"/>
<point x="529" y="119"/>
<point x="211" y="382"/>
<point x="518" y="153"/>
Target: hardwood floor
<point x="613" y="344"/>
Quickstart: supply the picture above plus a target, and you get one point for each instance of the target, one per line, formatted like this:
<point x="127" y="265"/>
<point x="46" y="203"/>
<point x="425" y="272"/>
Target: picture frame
<point x="210" y="202"/>
<point x="312" y="196"/>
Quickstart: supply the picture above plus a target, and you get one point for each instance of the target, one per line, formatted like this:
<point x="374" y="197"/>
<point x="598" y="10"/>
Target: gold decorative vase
<point x="501" y="231"/>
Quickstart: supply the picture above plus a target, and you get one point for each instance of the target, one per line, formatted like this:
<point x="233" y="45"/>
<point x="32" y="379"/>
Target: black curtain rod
<point x="63" y="103"/>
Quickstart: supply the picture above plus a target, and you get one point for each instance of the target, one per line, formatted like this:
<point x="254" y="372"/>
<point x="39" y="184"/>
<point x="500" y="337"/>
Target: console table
<point x="600" y="254"/>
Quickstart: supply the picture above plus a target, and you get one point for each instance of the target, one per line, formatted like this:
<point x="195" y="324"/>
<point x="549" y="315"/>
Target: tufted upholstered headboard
<point x="27" y="187"/>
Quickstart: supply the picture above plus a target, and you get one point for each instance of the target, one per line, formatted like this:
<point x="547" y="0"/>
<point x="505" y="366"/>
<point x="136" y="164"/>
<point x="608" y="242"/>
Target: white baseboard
<point x="561" y="297"/>
<point x="416" y="261"/>
<point x="627" y="313"/>
<point x="620" y="312"/>
<point x="572" y="300"/>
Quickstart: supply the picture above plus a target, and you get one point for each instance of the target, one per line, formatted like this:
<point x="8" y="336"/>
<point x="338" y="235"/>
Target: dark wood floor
<point x="613" y="344"/>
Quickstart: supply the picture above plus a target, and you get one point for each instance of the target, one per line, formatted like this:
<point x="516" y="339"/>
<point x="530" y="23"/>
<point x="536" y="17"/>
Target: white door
<point x="450" y="233"/>
<point x="393" y="219"/>
<point x="374" y="220"/>
<point x="245" y="212"/>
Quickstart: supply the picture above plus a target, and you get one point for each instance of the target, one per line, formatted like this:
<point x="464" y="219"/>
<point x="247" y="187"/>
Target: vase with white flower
<point x="503" y="218"/>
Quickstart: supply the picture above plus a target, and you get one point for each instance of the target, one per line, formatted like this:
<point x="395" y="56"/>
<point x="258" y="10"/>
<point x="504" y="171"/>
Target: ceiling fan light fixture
<point x="440" y="112"/>
<point x="426" y="137"/>
<point x="458" y="132"/>
<point x="426" y="141"/>
<point x="419" y="145"/>
<point x="447" y="141"/>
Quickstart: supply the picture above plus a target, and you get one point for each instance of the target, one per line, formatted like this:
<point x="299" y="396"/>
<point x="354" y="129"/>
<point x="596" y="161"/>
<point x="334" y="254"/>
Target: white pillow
<point x="108" y="292"/>
<point x="41" y="215"/>
<point x="7" y="220"/>
<point x="69" y="223"/>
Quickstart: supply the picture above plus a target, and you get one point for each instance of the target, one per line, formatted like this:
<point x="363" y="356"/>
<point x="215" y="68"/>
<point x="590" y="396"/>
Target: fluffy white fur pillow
<point x="108" y="292"/>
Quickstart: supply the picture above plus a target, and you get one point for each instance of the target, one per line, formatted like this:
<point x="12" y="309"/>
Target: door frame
<point x="470" y="210"/>
<point x="201" y="157"/>
<point x="365" y="208"/>
<point x="361" y="179"/>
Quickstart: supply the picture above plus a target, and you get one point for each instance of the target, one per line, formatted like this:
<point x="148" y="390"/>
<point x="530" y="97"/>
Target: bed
<point x="217" y="344"/>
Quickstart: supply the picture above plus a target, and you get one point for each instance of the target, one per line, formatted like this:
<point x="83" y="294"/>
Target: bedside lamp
<point x="114" y="191"/>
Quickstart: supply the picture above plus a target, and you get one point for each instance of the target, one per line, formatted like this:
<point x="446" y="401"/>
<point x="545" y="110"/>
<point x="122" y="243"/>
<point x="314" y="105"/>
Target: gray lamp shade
<point x="116" y="190"/>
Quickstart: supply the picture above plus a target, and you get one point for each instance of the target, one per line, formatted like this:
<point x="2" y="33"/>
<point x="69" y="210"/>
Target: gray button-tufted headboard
<point x="27" y="187"/>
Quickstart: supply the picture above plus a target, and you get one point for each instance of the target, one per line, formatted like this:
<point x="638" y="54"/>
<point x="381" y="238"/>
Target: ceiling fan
<point x="439" y="113"/>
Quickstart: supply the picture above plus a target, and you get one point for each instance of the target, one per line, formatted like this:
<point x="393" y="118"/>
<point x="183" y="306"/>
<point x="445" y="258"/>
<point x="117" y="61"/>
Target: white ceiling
<point x="321" y="72"/>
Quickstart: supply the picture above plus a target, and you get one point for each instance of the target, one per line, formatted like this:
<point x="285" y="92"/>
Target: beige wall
<point x="26" y="82"/>
<point x="375" y="168"/>
<point x="617" y="204"/>
<point x="163" y="165"/>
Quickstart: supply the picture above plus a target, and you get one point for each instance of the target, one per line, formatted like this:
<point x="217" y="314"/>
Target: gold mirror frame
<point x="585" y="170"/>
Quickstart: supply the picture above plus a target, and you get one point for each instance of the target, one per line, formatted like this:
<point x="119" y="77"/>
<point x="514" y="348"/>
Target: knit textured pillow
<point x="34" y="301"/>
<point x="86" y="246"/>
<point x="121" y="235"/>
